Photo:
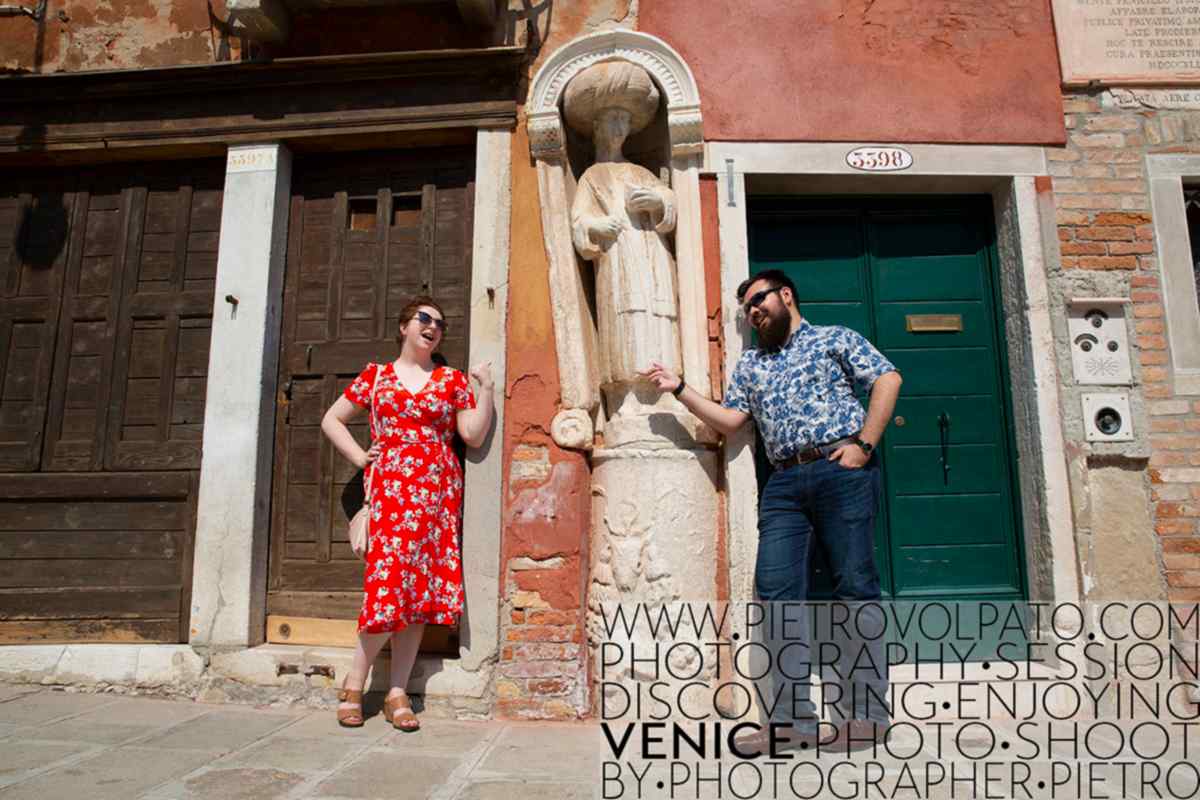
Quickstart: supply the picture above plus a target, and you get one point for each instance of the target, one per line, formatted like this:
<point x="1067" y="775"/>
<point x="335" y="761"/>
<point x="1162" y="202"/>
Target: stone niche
<point x="615" y="130"/>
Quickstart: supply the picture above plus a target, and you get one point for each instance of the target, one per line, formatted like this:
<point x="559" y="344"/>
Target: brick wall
<point x="542" y="672"/>
<point x="1107" y="247"/>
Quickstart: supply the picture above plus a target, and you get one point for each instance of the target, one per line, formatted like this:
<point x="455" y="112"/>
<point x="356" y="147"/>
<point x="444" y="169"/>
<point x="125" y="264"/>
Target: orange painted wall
<point x="869" y="70"/>
<point x="547" y="504"/>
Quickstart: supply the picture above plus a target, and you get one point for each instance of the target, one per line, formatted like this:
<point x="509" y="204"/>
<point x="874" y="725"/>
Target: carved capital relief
<point x="572" y="428"/>
<point x="576" y="348"/>
<point x="687" y="131"/>
<point x="546" y="136"/>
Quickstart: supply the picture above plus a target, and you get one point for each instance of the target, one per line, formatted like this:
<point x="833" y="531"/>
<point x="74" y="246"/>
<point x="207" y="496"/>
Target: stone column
<point x="233" y="520"/>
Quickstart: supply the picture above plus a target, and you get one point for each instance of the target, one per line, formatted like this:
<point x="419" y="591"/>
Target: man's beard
<point x="772" y="335"/>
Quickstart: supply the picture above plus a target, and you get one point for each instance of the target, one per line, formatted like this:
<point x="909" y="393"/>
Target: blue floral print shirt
<point x="802" y="395"/>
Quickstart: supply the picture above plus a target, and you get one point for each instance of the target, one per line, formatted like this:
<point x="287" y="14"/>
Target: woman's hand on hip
<point x="369" y="455"/>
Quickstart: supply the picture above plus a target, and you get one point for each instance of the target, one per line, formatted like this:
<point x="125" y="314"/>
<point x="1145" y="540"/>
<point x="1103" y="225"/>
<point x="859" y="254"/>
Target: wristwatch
<point x="678" y="390"/>
<point x="866" y="447"/>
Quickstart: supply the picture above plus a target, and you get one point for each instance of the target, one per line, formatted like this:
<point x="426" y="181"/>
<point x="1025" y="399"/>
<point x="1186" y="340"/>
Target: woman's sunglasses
<point x="428" y="319"/>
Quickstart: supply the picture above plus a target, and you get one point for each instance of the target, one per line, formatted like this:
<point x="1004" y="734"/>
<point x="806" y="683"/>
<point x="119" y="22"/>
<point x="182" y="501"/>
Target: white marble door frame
<point x="1026" y="243"/>
<point x="230" y="579"/>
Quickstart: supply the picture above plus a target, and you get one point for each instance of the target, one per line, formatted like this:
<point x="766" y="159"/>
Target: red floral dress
<point x="414" y="562"/>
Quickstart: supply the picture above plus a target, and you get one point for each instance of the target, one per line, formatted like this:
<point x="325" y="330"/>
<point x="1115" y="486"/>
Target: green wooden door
<point x="948" y="527"/>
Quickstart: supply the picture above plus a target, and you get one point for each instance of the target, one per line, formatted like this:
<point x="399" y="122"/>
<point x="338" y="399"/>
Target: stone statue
<point x="620" y="220"/>
<point x="654" y="470"/>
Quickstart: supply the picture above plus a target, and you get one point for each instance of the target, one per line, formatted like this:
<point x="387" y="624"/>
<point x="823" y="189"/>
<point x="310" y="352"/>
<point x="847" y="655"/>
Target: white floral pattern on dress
<point x="414" y="561"/>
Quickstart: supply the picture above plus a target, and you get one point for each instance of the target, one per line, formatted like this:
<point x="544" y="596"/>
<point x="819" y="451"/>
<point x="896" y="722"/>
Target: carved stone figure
<point x="620" y="220"/>
<point x="653" y="538"/>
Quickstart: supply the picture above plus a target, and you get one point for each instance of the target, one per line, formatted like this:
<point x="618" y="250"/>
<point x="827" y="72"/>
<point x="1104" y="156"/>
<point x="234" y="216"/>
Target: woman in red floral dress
<point x="413" y="572"/>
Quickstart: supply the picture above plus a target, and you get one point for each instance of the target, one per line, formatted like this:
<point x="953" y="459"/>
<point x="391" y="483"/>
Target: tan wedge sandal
<point x="349" y="717"/>
<point x="400" y="713"/>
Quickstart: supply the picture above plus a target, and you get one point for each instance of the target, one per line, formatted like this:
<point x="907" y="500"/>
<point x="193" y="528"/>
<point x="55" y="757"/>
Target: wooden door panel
<point x="96" y="543"/>
<point x="366" y="236"/>
<point x="35" y="223"/>
<point x="83" y="362"/>
<point x="95" y="557"/>
<point x="160" y="363"/>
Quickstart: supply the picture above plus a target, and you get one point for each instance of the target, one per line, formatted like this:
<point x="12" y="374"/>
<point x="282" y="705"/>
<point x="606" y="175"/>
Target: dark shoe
<point x="860" y="734"/>
<point x="786" y="738"/>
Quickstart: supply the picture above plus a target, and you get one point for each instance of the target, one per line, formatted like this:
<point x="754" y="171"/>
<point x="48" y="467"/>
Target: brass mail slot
<point x="933" y="323"/>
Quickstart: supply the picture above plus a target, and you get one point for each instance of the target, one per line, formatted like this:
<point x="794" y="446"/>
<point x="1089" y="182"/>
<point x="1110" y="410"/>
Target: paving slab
<point x="118" y="774"/>
<point x="379" y="775"/>
<point x="294" y="755"/>
<point x="23" y="757"/>
<point x="8" y="691"/>
<point x="34" y="709"/>
<point x="10" y="729"/>
<point x="438" y="736"/>
<point x="525" y="790"/>
<point x="150" y="712"/>
<point x="233" y="783"/>
<point x="525" y="749"/>
<point x="221" y="731"/>
<point x="323" y="725"/>
<point x="91" y="731"/>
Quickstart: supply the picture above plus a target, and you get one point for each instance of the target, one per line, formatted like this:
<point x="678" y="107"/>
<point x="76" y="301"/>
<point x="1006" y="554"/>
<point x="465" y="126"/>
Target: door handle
<point x="944" y="436"/>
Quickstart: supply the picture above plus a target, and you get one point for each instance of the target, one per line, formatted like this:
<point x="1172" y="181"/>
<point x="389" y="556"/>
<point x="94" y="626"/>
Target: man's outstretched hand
<point x="663" y="379"/>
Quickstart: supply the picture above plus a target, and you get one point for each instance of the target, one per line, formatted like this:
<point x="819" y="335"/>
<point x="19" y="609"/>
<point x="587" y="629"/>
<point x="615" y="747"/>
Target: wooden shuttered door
<point x="366" y="235"/>
<point x="104" y="332"/>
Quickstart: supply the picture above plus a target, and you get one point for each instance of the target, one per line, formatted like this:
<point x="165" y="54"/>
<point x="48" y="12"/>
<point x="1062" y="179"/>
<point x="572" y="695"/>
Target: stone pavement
<point x="57" y="744"/>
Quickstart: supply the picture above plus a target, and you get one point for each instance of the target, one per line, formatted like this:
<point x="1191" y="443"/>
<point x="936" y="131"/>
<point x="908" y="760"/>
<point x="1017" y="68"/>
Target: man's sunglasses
<point x="755" y="300"/>
<point x="428" y="319"/>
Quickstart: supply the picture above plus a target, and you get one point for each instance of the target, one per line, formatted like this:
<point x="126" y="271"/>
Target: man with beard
<point x="799" y="385"/>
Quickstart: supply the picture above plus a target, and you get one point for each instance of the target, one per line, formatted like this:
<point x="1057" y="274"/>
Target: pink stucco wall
<point x="961" y="71"/>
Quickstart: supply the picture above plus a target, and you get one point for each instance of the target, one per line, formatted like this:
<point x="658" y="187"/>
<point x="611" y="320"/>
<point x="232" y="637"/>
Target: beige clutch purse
<point x="360" y="523"/>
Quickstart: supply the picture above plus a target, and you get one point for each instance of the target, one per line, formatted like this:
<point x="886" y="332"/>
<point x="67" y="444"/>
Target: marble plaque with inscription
<point x="1128" y="41"/>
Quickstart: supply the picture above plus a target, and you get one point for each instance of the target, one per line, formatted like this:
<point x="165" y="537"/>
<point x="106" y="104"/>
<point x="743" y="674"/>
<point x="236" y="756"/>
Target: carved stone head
<point x="607" y="86"/>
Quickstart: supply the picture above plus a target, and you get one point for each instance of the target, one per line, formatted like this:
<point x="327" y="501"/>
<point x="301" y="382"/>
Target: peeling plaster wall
<point x="542" y="671"/>
<point x="869" y="70"/>
<point x="130" y="34"/>
<point x="544" y="560"/>
<point x="107" y="34"/>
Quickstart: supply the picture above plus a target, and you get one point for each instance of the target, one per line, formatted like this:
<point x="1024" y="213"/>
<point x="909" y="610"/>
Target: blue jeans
<point x="833" y="507"/>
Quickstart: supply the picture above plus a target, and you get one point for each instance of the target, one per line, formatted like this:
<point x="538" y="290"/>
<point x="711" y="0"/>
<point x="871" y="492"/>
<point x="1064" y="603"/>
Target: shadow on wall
<point x="41" y="233"/>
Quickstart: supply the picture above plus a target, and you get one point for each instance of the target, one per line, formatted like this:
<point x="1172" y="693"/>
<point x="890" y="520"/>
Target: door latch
<point x="944" y="435"/>
<point x="287" y="400"/>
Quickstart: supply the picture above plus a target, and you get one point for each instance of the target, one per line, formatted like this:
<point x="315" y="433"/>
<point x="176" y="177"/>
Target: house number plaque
<point x="879" y="159"/>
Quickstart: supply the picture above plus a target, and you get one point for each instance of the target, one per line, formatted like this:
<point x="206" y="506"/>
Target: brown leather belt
<point x="813" y="453"/>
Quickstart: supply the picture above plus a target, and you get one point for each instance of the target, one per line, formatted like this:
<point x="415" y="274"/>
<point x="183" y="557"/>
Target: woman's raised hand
<point x="482" y="373"/>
